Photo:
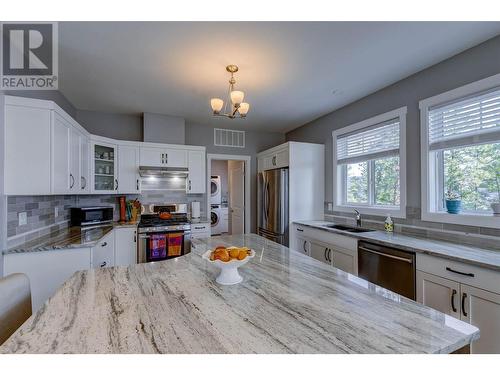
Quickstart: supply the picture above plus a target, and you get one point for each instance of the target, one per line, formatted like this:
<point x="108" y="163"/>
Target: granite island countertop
<point x="68" y="238"/>
<point x="467" y="254"/>
<point x="287" y="303"/>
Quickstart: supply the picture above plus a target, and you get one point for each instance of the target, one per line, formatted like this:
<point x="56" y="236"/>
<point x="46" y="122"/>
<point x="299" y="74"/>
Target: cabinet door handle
<point x="470" y="274"/>
<point x="330" y="255"/>
<point x="453" y="300"/>
<point x="84" y="182"/>
<point x="464" y="296"/>
<point x="166" y="158"/>
<point x="72" y="181"/>
<point x="116" y="182"/>
<point x="324" y="254"/>
<point x="189" y="185"/>
<point x="135" y="236"/>
<point x="103" y="264"/>
<point x="300" y="230"/>
<point x="304" y="246"/>
<point x="137" y="184"/>
<point x="104" y="244"/>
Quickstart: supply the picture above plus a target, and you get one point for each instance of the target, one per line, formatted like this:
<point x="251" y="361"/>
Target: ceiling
<point x="291" y="72"/>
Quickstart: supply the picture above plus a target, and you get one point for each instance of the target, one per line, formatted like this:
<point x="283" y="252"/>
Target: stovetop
<point x="153" y="223"/>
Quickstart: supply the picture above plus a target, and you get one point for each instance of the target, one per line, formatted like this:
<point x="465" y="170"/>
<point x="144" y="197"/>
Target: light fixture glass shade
<point x="243" y="108"/>
<point x="216" y="104"/>
<point x="237" y="97"/>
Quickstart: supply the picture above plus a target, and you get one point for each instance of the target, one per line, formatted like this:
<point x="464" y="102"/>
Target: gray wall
<point x="472" y="65"/>
<point x="255" y="142"/>
<point x="111" y="125"/>
<point x="163" y="129"/>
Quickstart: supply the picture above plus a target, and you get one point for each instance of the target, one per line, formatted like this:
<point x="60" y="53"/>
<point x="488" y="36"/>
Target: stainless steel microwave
<point x="82" y="216"/>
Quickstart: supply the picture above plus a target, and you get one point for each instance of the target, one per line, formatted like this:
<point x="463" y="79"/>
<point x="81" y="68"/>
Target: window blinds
<point x="465" y="122"/>
<point x="377" y="141"/>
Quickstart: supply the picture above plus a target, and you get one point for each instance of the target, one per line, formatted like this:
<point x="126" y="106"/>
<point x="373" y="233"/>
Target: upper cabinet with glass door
<point x="104" y="167"/>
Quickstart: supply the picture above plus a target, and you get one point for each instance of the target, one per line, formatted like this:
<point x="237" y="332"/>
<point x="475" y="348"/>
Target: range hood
<point x="145" y="171"/>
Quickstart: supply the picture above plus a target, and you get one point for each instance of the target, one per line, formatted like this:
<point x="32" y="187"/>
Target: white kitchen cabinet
<point x="344" y="259"/>
<point x="128" y="170"/>
<point x="321" y="252"/>
<point x="275" y="158"/>
<point x="477" y="296"/>
<point x="47" y="270"/>
<point x="125" y="246"/>
<point x="163" y="157"/>
<point x="482" y="309"/>
<point x="201" y="230"/>
<point x="84" y="164"/>
<point x="103" y="254"/>
<point x="303" y="245"/>
<point x="104" y="167"/>
<point x="439" y="293"/>
<point x="196" y="182"/>
<point x="27" y="147"/>
<point x="62" y="178"/>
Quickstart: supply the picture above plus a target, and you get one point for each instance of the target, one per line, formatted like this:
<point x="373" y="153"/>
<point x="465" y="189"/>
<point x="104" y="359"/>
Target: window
<point x="461" y="153"/>
<point x="369" y="165"/>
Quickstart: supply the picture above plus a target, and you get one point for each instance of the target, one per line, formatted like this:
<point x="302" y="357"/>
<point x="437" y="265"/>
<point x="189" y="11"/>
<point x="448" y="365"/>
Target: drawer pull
<point x="300" y="230"/>
<point x="199" y="227"/>
<point x="104" y="244"/>
<point x="103" y="264"/>
<point x="464" y="296"/>
<point x="470" y="274"/>
<point x="407" y="260"/>
<point x="453" y="294"/>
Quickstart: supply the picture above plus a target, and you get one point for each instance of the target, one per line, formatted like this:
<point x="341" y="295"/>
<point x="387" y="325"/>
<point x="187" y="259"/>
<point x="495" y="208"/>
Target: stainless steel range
<point x="163" y="238"/>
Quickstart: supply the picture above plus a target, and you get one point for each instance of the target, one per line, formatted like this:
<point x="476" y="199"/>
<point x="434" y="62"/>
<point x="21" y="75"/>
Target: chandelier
<point x="238" y="109"/>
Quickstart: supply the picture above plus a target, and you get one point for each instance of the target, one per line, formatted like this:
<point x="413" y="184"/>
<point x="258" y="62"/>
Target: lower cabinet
<point x="445" y="286"/>
<point x="200" y="230"/>
<point x="125" y="246"/>
<point x="330" y="248"/>
<point x="47" y="270"/>
<point x="103" y="254"/>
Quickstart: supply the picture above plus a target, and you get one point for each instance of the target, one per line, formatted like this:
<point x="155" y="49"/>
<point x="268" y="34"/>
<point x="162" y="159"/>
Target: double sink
<point x="347" y="228"/>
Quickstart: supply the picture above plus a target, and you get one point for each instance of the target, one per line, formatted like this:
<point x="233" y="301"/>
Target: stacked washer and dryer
<point x="218" y="213"/>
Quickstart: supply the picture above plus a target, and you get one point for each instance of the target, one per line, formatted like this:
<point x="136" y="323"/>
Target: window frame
<point x="429" y="194"/>
<point x="339" y="171"/>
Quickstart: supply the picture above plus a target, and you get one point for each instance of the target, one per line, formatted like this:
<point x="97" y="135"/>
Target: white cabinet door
<point x="103" y="254"/>
<point x="125" y="246"/>
<point x="196" y="183"/>
<point x="61" y="175"/>
<point x="47" y="270"/>
<point x="163" y="157"/>
<point x="75" y="182"/>
<point x="439" y="293"/>
<point x="84" y="164"/>
<point x="344" y="260"/>
<point x="104" y="168"/>
<point x="303" y="245"/>
<point x="128" y="169"/>
<point x="321" y="252"/>
<point x="27" y="150"/>
<point x="482" y="309"/>
<point x="281" y="158"/>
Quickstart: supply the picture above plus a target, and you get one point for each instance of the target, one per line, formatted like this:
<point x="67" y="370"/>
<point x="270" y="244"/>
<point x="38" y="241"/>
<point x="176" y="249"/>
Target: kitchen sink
<point x="348" y="228"/>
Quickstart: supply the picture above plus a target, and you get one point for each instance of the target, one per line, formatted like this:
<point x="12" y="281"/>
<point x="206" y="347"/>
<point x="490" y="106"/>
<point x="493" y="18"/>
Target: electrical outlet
<point x="56" y="211"/>
<point x="330" y="206"/>
<point x="23" y="218"/>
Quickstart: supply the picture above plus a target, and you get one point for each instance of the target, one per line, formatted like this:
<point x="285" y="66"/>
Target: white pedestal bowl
<point x="229" y="274"/>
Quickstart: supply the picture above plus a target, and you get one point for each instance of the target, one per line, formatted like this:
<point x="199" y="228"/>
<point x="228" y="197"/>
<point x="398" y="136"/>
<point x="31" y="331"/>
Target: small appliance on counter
<point x="164" y="232"/>
<point x="195" y="210"/>
<point x="95" y="215"/>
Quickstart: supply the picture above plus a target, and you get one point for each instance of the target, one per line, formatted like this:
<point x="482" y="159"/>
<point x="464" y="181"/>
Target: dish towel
<point x="175" y="244"/>
<point x="157" y="247"/>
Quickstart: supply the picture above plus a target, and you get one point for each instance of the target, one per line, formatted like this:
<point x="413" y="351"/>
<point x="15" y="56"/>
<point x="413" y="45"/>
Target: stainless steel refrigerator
<point x="272" y="206"/>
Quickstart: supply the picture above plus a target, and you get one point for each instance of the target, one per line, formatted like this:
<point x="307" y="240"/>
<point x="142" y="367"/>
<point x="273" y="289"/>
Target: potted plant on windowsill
<point x="453" y="202"/>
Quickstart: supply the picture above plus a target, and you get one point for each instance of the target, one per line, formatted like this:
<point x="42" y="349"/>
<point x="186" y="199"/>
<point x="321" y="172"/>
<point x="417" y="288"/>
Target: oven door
<point x="158" y="246"/>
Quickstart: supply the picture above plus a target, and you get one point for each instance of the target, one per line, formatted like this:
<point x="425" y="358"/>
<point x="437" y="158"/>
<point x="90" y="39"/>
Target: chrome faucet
<point x="358" y="218"/>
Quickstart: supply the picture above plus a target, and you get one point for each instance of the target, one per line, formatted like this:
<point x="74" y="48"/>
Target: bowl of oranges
<point x="228" y="259"/>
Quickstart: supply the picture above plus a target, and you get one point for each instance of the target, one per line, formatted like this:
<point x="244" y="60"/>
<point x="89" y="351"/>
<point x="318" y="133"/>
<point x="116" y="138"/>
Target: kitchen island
<point x="287" y="303"/>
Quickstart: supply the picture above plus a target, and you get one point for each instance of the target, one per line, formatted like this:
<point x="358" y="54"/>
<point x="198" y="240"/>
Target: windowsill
<point x="372" y="210"/>
<point x="477" y="220"/>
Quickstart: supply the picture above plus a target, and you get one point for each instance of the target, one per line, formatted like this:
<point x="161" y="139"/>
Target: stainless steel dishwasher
<point x="390" y="268"/>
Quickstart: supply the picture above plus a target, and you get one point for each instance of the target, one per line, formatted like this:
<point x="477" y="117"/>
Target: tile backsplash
<point x="40" y="210"/>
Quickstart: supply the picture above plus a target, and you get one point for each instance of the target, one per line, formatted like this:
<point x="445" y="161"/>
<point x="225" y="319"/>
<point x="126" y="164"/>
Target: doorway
<point x="228" y="201"/>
